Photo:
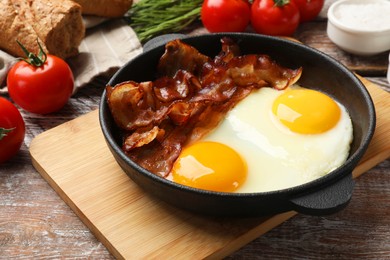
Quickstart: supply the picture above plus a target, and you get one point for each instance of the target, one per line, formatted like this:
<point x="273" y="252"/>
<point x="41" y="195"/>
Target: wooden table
<point x="36" y="223"/>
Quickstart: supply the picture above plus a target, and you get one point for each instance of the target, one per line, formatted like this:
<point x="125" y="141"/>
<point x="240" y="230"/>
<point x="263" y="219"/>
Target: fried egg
<point x="271" y="140"/>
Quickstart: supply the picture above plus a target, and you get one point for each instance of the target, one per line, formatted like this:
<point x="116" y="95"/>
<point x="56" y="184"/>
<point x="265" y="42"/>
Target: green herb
<point x="150" y="18"/>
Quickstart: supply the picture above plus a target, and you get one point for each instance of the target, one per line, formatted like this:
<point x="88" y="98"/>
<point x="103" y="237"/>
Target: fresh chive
<point x="150" y="18"/>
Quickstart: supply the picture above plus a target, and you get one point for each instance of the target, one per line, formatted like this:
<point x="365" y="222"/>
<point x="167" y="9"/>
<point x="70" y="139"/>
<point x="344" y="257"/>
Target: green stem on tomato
<point x="281" y="2"/>
<point x="4" y="132"/>
<point x="32" y="59"/>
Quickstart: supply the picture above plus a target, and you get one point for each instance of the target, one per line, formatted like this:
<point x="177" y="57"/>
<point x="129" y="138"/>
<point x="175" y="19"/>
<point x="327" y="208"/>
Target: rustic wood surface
<point x="36" y="223"/>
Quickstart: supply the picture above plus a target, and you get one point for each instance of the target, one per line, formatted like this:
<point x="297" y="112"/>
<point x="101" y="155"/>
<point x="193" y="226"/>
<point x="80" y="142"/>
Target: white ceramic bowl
<point x="360" y="26"/>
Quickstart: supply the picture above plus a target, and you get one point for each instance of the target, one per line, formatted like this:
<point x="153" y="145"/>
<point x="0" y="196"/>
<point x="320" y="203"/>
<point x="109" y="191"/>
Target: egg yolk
<point x="210" y="166"/>
<point x="306" y="111"/>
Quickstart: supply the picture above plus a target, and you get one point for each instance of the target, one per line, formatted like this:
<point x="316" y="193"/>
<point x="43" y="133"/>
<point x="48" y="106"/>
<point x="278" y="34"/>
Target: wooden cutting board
<point x="76" y="162"/>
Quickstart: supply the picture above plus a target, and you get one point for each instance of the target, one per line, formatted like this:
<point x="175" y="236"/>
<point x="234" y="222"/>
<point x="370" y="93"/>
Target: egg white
<point x="278" y="158"/>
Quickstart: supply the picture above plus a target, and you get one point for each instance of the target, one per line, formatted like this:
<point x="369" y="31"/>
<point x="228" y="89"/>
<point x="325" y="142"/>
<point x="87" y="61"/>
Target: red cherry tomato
<point x="225" y="15"/>
<point x="40" y="88"/>
<point x="275" y="17"/>
<point x="309" y="9"/>
<point x="12" y="130"/>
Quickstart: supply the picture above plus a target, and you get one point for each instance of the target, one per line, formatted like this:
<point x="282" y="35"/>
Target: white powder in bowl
<point x="364" y="16"/>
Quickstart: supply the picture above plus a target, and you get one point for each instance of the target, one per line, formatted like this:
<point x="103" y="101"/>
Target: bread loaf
<point x="106" y="8"/>
<point x="56" y="24"/>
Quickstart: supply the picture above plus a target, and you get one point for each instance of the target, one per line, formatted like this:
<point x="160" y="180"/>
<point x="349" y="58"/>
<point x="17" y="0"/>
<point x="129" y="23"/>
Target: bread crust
<point x="56" y="24"/>
<point x="105" y="8"/>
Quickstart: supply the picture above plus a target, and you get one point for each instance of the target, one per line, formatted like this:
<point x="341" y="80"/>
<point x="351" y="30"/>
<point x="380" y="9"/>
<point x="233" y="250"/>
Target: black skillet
<point x="322" y="196"/>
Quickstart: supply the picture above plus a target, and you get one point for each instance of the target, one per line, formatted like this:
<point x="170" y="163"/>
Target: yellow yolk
<point x="210" y="166"/>
<point x="306" y="111"/>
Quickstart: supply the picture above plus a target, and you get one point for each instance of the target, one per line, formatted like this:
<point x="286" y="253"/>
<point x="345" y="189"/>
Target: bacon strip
<point x="190" y="98"/>
<point x="179" y="56"/>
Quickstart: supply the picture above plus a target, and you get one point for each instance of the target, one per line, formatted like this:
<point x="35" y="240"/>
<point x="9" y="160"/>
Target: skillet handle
<point x="162" y="40"/>
<point x="327" y="200"/>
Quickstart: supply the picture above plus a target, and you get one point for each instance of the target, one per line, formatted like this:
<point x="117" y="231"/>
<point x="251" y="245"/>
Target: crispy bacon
<point x="262" y="71"/>
<point x="182" y="86"/>
<point x="142" y="137"/>
<point x="179" y="56"/>
<point x="134" y="106"/>
<point x="191" y="96"/>
<point x="230" y="49"/>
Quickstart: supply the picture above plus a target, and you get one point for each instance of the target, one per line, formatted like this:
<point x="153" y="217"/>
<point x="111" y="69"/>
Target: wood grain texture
<point x="379" y="149"/>
<point x="35" y="223"/>
<point x="76" y="162"/>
